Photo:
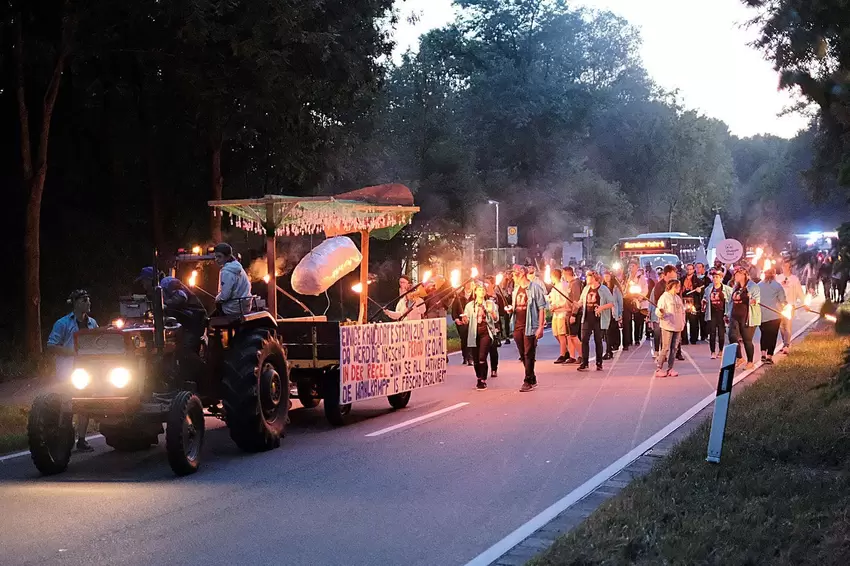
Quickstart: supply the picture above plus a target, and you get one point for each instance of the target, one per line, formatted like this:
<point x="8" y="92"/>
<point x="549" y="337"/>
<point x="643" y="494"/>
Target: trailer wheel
<point x="307" y="395"/>
<point x="335" y="411"/>
<point x="399" y="400"/>
<point x="255" y="387"/>
<point x="50" y="432"/>
<point x="184" y="433"/>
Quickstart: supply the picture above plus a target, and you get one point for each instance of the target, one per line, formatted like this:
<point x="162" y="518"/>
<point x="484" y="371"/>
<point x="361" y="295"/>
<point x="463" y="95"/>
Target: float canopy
<point x="382" y="210"/>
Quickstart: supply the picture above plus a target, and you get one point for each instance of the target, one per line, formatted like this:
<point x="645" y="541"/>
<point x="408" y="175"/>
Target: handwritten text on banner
<point x="384" y="359"/>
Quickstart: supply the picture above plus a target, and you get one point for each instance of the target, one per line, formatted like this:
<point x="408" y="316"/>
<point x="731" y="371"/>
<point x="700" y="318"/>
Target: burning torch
<point x="425" y="278"/>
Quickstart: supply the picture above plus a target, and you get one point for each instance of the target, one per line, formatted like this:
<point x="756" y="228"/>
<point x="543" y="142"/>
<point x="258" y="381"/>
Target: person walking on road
<point x="60" y="343"/>
<point x="715" y="304"/>
<point x="597" y="303"/>
<point x="528" y="317"/>
<point x="704" y="282"/>
<point x="671" y="319"/>
<point x="634" y="304"/>
<point x="560" y="308"/>
<point x="794" y="296"/>
<point x="491" y="293"/>
<point x="744" y="315"/>
<point x="613" y="337"/>
<point x="692" y="290"/>
<point x="772" y="303"/>
<point x="668" y="273"/>
<point x="459" y="302"/>
<point x="575" y="286"/>
<point x="480" y="316"/>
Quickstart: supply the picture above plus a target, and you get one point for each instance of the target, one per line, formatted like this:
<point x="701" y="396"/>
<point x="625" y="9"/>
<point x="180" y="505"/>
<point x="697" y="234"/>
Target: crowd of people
<point x="615" y="310"/>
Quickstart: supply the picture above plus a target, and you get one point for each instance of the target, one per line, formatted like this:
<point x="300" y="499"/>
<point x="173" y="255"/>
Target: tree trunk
<point x="34" y="177"/>
<point x="217" y="186"/>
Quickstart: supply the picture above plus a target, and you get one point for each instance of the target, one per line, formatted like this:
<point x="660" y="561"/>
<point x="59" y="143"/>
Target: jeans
<point x="481" y="352"/>
<point x="527" y="347"/>
<point x="633" y="322"/>
<point x="785" y="329"/>
<point x="691" y="331"/>
<point x="594" y="326"/>
<point x="494" y="355"/>
<point x="769" y="334"/>
<point x="670" y="341"/>
<point x="738" y="330"/>
<point x="613" y="336"/>
<point x="463" y="332"/>
<point x="716" y="332"/>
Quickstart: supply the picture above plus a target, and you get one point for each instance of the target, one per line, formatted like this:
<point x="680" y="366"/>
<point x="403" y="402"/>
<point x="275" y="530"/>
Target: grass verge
<point x="780" y="495"/>
<point x="13" y="428"/>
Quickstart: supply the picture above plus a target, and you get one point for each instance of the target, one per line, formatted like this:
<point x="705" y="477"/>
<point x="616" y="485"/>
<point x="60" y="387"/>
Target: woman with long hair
<point x="613" y="336"/>
<point x="744" y="315"/>
<point x="480" y="316"/>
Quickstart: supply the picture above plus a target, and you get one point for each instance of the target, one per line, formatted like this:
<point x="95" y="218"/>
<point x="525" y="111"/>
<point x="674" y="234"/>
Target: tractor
<point x="143" y="371"/>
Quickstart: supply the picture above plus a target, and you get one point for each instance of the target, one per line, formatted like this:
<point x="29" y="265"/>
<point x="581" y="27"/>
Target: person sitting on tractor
<point x="234" y="294"/>
<point x="180" y="302"/>
<point x="61" y="344"/>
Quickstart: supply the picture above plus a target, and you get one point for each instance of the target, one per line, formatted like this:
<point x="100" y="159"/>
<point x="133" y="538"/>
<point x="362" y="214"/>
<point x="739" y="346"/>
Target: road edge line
<point x="502" y="547"/>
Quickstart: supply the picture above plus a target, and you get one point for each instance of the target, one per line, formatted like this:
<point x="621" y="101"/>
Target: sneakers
<point x="482" y="385"/>
<point x="494" y="374"/>
<point x="581" y="361"/>
<point x="84" y="446"/>
<point x="749" y="366"/>
<point x="625" y="348"/>
<point x="739" y="362"/>
<point x="608" y="356"/>
<point x="561" y="360"/>
<point x="526" y="387"/>
<point x="768" y="360"/>
<point x="582" y="367"/>
<point x="680" y="357"/>
<point x="672" y="373"/>
<point x="571" y="361"/>
<point x="660" y="373"/>
<point x="598" y="367"/>
<point x="714" y="355"/>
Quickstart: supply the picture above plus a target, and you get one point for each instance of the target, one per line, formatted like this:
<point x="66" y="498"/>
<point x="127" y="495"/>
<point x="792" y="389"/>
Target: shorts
<point x="574" y="328"/>
<point x="559" y="326"/>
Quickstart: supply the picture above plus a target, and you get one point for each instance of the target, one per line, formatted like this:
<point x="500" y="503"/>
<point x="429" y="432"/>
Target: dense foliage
<point x="163" y="105"/>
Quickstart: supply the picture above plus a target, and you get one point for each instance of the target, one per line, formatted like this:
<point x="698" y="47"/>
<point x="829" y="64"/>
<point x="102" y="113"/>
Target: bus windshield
<point x="680" y="245"/>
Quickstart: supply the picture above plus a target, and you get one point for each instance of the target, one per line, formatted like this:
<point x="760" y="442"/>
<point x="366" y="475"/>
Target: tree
<point x="28" y="43"/>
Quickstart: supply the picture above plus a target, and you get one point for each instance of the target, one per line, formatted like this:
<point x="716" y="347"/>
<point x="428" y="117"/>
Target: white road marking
<point x="699" y="371"/>
<point x="417" y="420"/>
<point x="524" y="531"/>
<point x="14" y="455"/>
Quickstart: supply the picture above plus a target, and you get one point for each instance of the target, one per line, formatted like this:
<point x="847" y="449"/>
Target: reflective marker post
<point x="721" y="403"/>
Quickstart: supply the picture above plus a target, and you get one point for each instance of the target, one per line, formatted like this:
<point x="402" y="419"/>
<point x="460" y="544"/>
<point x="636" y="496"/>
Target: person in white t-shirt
<point x="794" y="296"/>
<point x="412" y="305"/>
<point x="671" y="318"/>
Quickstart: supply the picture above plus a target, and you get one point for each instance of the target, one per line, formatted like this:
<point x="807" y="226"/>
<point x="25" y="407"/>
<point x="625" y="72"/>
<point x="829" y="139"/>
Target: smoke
<point x="288" y="253"/>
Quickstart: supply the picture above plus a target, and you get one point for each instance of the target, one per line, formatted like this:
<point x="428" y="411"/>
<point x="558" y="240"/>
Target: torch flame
<point x="788" y="312"/>
<point x="634" y="289"/>
<point x="807" y="300"/>
<point x="547" y="275"/>
<point x="357" y="288"/>
<point x="767" y="264"/>
<point x="759" y="253"/>
<point x="454" y="278"/>
<point x="193" y="278"/>
<point x="267" y="277"/>
<point x="196" y="250"/>
<point x="473" y="272"/>
<point x="118" y="323"/>
<point x="499" y="278"/>
<point x="426" y="276"/>
<point x="831" y="318"/>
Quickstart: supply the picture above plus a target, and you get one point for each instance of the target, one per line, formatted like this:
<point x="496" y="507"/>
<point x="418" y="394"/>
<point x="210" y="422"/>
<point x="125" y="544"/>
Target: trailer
<point x="340" y="363"/>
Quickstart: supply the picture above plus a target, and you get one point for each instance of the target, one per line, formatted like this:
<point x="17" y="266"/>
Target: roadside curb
<point x="540" y="533"/>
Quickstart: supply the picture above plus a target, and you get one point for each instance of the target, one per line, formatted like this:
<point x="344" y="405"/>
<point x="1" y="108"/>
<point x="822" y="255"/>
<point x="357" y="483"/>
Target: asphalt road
<point x="438" y="491"/>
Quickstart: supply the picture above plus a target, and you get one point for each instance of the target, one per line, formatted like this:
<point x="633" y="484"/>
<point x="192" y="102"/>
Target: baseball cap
<point x="223" y="248"/>
<point x="146" y="273"/>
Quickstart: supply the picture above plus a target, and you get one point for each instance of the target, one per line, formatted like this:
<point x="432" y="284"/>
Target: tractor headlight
<point x="80" y="378"/>
<point x="119" y="377"/>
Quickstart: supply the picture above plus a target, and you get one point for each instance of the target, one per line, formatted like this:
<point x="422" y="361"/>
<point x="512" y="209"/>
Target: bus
<point x="679" y="244"/>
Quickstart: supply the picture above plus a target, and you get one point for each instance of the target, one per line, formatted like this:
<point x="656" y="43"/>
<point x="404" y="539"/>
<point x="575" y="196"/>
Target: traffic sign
<point x="512" y="235"/>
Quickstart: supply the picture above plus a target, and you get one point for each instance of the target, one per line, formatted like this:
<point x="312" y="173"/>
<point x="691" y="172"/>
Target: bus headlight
<point x="119" y="377"/>
<point x="80" y="378"/>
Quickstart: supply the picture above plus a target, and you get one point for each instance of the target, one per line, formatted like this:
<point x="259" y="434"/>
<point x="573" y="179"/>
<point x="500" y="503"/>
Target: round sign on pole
<point x="730" y="251"/>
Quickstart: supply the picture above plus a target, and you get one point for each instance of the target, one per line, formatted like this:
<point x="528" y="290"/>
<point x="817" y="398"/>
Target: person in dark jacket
<point x="693" y="287"/>
<point x="459" y="301"/>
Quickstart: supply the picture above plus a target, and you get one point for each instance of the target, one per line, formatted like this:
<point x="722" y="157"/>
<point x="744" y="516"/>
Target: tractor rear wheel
<point x="184" y="433"/>
<point x="255" y="390"/>
<point x="50" y="432"/>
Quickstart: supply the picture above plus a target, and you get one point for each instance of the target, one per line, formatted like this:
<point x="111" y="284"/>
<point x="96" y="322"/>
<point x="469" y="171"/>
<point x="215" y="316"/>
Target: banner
<point x="377" y="360"/>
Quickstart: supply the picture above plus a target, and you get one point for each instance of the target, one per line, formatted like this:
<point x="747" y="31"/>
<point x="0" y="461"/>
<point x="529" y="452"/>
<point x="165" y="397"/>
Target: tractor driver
<point x="234" y="287"/>
<point x="181" y="303"/>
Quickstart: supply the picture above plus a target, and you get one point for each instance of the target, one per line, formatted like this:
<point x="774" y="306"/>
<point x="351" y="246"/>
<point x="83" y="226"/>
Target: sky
<point x="699" y="47"/>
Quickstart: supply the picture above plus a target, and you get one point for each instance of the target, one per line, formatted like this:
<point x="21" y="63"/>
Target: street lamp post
<point x="491" y="201"/>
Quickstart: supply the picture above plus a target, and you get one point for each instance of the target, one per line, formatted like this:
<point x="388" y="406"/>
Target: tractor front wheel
<point x="50" y="432"/>
<point x="184" y="433"/>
